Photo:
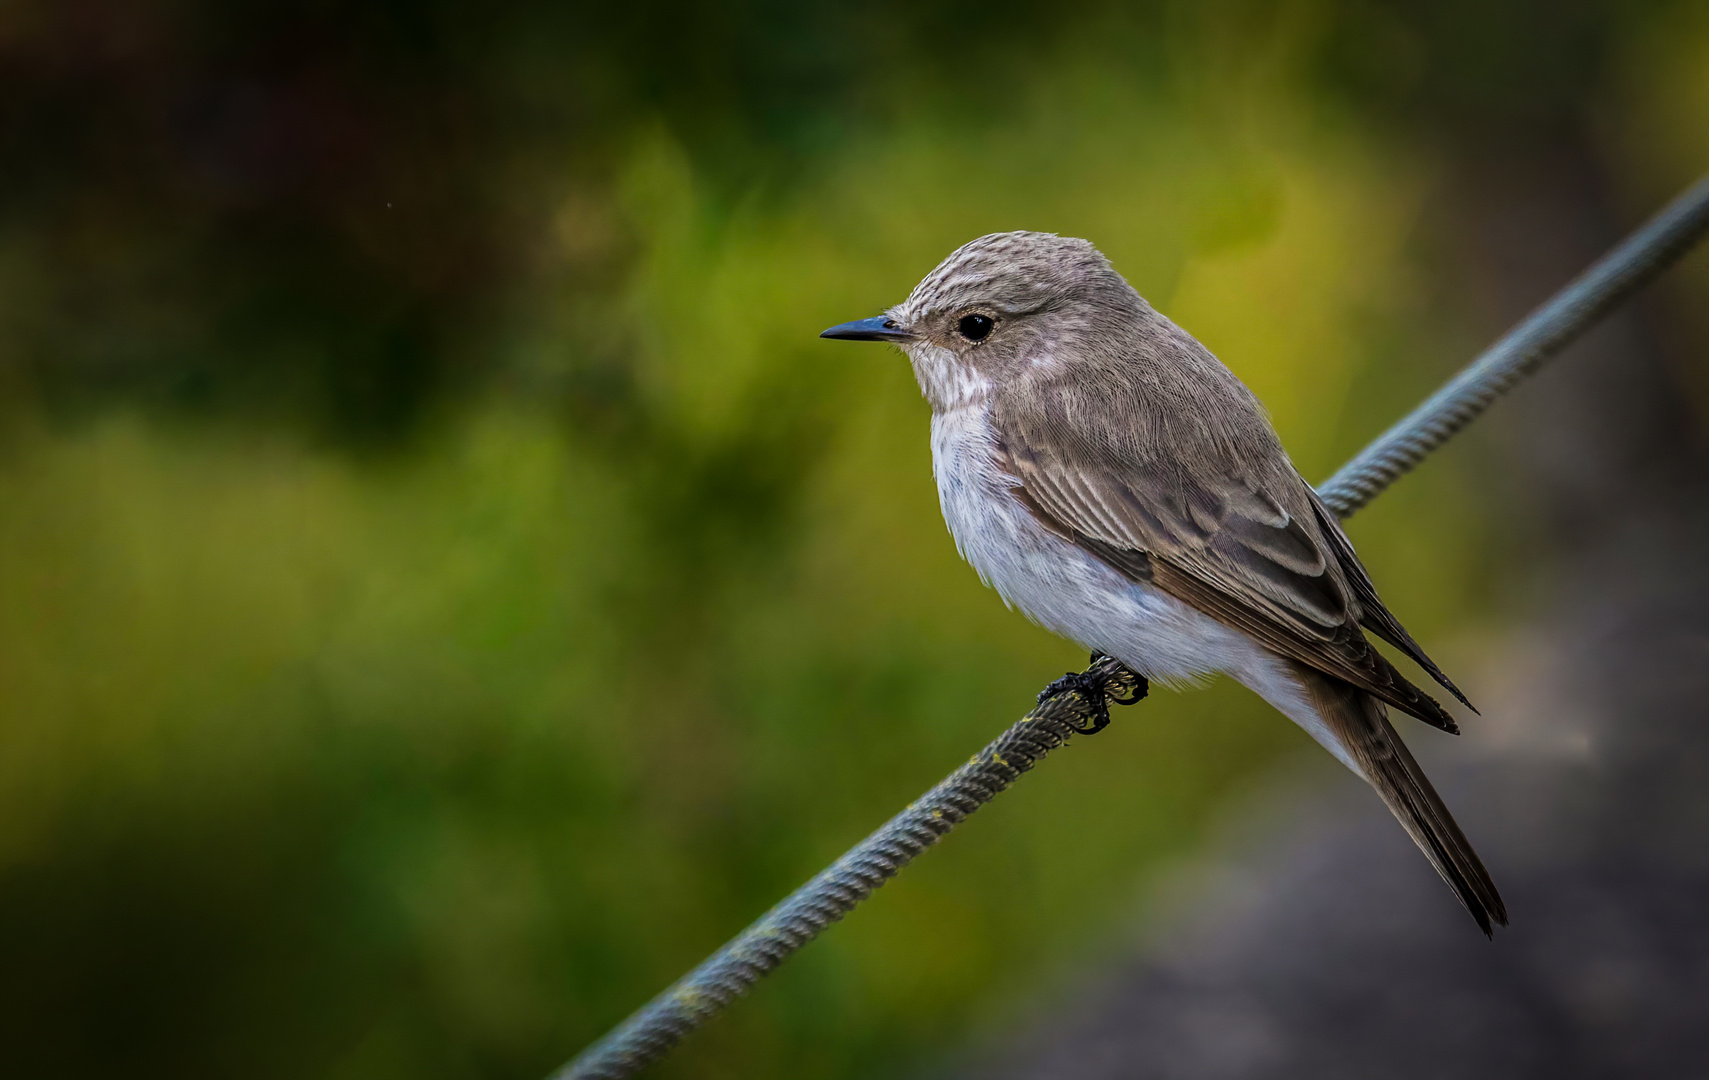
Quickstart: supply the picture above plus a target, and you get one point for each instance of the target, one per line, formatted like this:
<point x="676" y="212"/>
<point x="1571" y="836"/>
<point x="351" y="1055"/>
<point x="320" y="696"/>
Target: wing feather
<point x="1375" y="615"/>
<point x="1246" y="547"/>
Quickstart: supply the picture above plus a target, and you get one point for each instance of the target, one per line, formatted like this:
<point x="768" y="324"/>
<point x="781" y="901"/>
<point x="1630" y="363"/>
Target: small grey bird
<point x="1112" y="479"/>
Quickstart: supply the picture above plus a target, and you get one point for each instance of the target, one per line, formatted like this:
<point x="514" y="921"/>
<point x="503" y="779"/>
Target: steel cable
<point x="798" y="919"/>
<point x="1522" y="350"/>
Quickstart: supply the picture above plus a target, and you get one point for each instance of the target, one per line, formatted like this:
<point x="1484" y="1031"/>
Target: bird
<point x="1113" y="480"/>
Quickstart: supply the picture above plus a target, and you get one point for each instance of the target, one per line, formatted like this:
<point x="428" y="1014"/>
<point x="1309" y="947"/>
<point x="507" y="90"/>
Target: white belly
<point x="1055" y="583"/>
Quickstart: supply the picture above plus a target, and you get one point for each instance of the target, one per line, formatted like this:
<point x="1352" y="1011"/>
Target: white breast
<point x="1055" y="583"/>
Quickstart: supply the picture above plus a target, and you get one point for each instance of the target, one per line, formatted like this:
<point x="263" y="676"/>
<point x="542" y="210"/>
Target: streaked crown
<point x="1014" y="273"/>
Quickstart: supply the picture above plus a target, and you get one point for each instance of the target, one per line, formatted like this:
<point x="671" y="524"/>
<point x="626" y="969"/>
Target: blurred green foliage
<point x="446" y="588"/>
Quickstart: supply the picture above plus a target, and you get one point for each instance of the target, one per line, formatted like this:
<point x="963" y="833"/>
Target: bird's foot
<point x="1093" y="687"/>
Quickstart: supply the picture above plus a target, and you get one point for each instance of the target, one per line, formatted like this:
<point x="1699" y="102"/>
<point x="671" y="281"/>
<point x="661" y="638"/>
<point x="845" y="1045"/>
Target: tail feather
<point x="1360" y="723"/>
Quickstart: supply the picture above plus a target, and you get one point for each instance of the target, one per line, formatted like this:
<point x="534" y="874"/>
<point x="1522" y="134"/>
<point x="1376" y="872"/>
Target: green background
<point x="446" y="587"/>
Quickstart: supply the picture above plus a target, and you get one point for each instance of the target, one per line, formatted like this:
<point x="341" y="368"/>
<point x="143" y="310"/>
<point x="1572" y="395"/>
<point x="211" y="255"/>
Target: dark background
<point x="446" y="589"/>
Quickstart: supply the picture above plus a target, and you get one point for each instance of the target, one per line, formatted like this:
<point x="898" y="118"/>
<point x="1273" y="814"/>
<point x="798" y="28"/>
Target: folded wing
<point x="1247" y="544"/>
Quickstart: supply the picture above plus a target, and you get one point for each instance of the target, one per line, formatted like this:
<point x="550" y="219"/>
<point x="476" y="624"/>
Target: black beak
<point x="877" y="328"/>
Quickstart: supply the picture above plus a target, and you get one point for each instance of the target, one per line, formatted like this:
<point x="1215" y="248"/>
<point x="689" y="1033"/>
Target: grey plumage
<point x="1118" y="484"/>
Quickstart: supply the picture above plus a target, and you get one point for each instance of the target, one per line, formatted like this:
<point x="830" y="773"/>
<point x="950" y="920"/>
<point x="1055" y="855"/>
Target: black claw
<point x="1069" y="682"/>
<point x="1093" y="688"/>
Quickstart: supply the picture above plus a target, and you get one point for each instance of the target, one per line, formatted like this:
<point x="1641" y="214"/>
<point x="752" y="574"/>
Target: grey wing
<point x="1374" y="614"/>
<point x="1241" y="546"/>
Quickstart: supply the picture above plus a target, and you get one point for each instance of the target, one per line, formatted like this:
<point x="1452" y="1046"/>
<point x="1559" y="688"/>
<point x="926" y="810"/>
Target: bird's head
<point x="998" y="306"/>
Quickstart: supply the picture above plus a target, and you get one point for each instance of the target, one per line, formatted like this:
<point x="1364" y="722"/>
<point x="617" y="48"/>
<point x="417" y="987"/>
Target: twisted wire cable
<point x="1524" y="349"/>
<point x="1082" y="708"/>
<point x="1080" y="705"/>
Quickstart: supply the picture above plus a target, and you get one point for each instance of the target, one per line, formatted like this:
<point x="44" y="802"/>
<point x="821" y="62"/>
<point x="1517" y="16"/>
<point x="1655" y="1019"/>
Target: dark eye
<point x="975" y="327"/>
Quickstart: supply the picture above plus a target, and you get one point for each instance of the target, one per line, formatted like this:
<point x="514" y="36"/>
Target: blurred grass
<point x="436" y="761"/>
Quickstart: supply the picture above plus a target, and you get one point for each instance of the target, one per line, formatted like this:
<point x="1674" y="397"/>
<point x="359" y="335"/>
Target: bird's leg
<point x="1093" y="687"/>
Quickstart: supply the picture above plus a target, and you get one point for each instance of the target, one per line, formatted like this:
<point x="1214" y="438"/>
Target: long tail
<point x="1361" y="724"/>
